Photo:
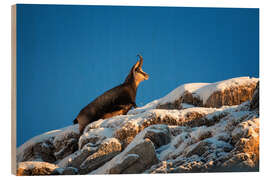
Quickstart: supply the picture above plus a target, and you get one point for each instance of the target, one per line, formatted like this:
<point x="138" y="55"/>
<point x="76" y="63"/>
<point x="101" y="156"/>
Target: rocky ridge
<point x="198" y="127"/>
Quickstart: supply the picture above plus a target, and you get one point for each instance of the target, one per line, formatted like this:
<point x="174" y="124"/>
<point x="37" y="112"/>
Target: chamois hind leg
<point x="83" y="122"/>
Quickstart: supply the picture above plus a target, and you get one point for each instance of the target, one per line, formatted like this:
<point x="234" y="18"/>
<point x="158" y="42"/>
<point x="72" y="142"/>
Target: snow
<point x="171" y="97"/>
<point x="201" y="90"/>
<point x="107" y="132"/>
<point x="178" y="92"/>
<point x="139" y="119"/>
<point x="149" y="106"/>
<point x="100" y="133"/>
<point x="196" y="134"/>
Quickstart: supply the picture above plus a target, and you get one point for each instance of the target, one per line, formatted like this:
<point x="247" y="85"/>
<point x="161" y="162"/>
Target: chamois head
<point x="136" y="74"/>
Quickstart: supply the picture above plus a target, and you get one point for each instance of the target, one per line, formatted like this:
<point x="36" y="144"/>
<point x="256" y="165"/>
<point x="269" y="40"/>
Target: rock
<point x="42" y="147"/>
<point x="146" y="152"/>
<point x="126" y="162"/>
<point x="158" y="134"/>
<point x="32" y="168"/>
<point x="65" y="171"/>
<point x="231" y="96"/>
<point x="91" y="157"/>
<point x="136" y="158"/>
<point x="126" y="133"/>
<point x="248" y="145"/>
<point x="37" y="150"/>
<point x="245" y="129"/>
<point x="240" y="162"/>
<point x="106" y="151"/>
<point x="188" y="117"/>
<point x="66" y="143"/>
<point x="76" y="159"/>
<point x="66" y="148"/>
<point x="70" y="171"/>
<point x="228" y="92"/>
<point x="254" y="104"/>
<point x="199" y="148"/>
<point x="42" y="152"/>
<point x="245" y="155"/>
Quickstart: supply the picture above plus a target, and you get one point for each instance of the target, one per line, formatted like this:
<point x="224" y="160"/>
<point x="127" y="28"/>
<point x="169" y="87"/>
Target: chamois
<point x="116" y="101"/>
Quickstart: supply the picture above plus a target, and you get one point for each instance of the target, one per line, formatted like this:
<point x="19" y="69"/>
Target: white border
<point x="5" y="81"/>
<point x="193" y="3"/>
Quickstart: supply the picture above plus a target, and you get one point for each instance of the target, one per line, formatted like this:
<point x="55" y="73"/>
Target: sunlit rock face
<point x="34" y="168"/>
<point x="198" y="127"/>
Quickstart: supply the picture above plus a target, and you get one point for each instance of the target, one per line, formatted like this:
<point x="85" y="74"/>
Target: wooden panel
<point x="13" y="89"/>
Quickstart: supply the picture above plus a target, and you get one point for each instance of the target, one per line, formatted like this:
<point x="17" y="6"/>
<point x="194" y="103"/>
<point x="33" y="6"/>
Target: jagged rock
<point x="65" y="171"/>
<point x="126" y="162"/>
<point x="42" y="151"/>
<point x="70" y="171"/>
<point x="240" y="162"/>
<point x="146" y="152"/>
<point x="76" y="159"/>
<point x="37" y="150"/>
<point x="137" y="157"/>
<point x="49" y="146"/>
<point x="199" y="148"/>
<point x="245" y="129"/>
<point x="231" y="96"/>
<point x="248" y="145"/>
<point x="158" y="134"/>
<point x="188" y="117"/>
<point x="66" y="148"/>
<point x="91" y="157"/>
<point x="254" y="104"/>
<point x="106" y="151"/>
<point x="126" y="133"/>
<point x="66" y="143"/>
<point x="32" y="168"/>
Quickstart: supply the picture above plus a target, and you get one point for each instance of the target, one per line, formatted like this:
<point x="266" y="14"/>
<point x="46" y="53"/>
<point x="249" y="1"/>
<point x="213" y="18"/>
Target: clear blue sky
<point x="69" y="55"/>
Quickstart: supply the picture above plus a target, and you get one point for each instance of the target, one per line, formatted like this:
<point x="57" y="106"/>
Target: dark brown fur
<point x="116" y="101"/>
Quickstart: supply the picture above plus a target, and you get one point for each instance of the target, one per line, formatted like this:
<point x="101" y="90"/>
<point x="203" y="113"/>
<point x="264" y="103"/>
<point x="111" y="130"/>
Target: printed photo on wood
<point x="134" y="89"/>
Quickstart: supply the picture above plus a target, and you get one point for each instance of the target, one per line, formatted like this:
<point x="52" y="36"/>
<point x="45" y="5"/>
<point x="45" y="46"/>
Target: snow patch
<point x="201" y="90"/>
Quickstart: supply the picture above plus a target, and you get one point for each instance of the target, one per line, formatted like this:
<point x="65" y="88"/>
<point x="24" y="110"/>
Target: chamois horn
<point x="141" y="60"/>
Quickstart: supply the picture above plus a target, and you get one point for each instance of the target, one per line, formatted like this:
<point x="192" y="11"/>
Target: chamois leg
<point x="83" y="122"/>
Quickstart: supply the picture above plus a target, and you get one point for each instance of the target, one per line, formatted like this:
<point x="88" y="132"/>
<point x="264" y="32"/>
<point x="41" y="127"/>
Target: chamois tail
<point x="75" y="121"/>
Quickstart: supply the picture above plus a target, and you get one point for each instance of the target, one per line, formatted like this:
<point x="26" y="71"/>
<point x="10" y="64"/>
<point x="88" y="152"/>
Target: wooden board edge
<point x="13" y="88"/>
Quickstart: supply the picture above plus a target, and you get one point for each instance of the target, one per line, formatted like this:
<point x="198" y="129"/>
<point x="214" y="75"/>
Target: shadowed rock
<point x="254" y="104"/>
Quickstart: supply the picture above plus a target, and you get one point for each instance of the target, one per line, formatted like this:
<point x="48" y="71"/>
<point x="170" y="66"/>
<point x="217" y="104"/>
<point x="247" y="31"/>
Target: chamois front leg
<point x="134" y="105"/>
